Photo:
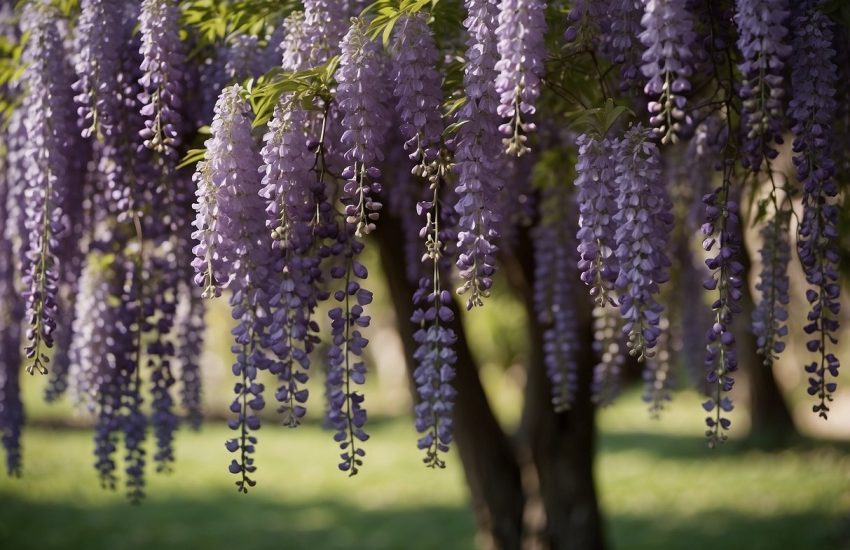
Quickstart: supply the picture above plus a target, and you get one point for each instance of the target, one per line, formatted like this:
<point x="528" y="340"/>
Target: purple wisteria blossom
<point x="771" y="312"/>
<point x="98" y="65"/>
<point x="232" y="231"/>
<point x="189" y="342"/>
<point x="620" y="39"/>
<point x="762" y="41"/>
<point x="47" y="105"/>
<point x="477" y="156"/>
<point x="596" y="197"/>
<point x="554" y="295"/>
<point x="722" y="244"/>
<point x="522" y="53"/>
<point x="643" y="221"/>
<point x="610" y="350"/>
<point x="325" y="25"/>
<point x="417" y="88"/>
<point x="162" y="78"/>
<point x="813" y="109"/>
<point x="360" y="94"/>
<point x="667" y="63"/>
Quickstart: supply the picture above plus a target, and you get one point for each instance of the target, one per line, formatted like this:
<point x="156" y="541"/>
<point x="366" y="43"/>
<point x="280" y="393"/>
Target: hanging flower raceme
<point x="189" y="320"/>
<point x="522" y="53"/>
<point x="596" y="197"/>
<point x="555" y="273"/>
<point x="417" y="89"/>
<point x="47" y="106"/>
<point x="667" y="63"/>
<point x="362" y="86"/>
<point x="231" y="254"/>
<point x="288" y="189"/>
<point x="162" y="78"/>
<point x="620" y="38"/>
<point x="98" y="42"/>
<point x="477" y="157"/>
<point x="763" y="45"/>
<point x="610" y="350"/>
<point x="722" y="239"/>
<point x="325" y="25"/>
<point x="771" y="313"/>
<point x="643" y="221"/>
<point x="11" y="311"/>
<point x="813" y="109"/>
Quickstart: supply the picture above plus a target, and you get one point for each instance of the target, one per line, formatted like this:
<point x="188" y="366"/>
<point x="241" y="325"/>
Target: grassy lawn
<point x="660" y="488"/>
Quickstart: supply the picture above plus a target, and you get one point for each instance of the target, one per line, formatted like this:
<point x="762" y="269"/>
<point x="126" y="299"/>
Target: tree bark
<point x="561" y="445"/>
<point x="489" y="460"/>
<point x="771" y="421"/>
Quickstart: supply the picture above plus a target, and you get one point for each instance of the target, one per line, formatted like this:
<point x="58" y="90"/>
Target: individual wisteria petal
<point x="596" y="197"/>
<point x="643" y="220"/>
<point x="771" y="313"/>
<point x="99" y="41"/>
<point x="668" y="37"/>
<point x="230" y="181"/>
<point x="477" y="152"/>
<point x="762" y="40"/>
<point x="418" y="91"/>
<point x="162" y="78"/>
<point x="555" y="276"/>
<point x="47" y="105"/>
<point x="522" y="53"/>
<point x="362" y="87"/>
<point x="813" y="109"/>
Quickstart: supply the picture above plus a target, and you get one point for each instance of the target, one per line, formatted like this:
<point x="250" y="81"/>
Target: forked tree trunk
<point x="550" y="461"/>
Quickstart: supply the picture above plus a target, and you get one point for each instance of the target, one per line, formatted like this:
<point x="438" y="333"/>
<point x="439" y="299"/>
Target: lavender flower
<point x="477" y="154"/>
<point x="643" y="221"/>
<point x="325" y="25"/>
<point x="667" y="62"/>
<point x="229" y="181"/>
<point x="162" y="78"/>
<point x="417" y="88"/>
<point x="99" y="41"/>
<point x="47" y="106"/>
<point x="596" y="196"/>
<point x="362" y="85"/>
<point x="771" y="313"/>
<point x="813" y="108"/>
<point x="345" y="364"/>
<point x="522" y="52"/>
<point x="721" y="234"/>
<point x="555" y="269"/>
<point x="189" y="337"/>
<point x="762" y="42"/>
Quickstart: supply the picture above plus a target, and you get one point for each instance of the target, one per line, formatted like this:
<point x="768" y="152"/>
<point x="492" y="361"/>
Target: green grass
<point x="660" y="488"/>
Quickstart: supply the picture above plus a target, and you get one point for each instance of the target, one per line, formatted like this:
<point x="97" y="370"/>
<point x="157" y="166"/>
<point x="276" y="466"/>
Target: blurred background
<point x="660" y="487"/>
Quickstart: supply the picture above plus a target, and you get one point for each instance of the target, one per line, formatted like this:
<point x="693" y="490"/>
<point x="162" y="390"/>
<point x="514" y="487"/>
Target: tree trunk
<point x="771" y="421"/>
<point x="489" y="461"/>
<point x="561" y="445"/>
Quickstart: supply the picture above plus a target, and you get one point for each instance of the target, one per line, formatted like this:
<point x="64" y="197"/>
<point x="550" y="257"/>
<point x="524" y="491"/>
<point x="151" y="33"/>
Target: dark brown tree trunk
<point x="489" y="461"/>
<point x="561" y="445"/>
<point x="771" y="421"/>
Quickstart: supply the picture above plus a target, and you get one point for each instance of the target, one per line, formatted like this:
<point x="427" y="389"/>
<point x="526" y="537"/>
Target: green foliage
<point x="598" y="121"/>
<point x="213" y="20"/>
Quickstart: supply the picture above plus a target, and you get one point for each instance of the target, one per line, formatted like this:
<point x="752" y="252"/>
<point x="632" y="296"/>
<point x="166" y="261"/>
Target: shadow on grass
<point x="228" y="522"/>
<point x="695" y="448"/>
<point x="721" y="529"/>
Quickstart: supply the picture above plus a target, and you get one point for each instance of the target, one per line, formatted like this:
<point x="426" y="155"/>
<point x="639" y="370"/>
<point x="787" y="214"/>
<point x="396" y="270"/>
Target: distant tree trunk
<point x="771" y="421"/>
<point x="555" y="450"/>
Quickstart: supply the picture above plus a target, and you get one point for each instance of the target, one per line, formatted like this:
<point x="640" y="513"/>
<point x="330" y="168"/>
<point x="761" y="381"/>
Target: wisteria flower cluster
<point x="314" y="119"/>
